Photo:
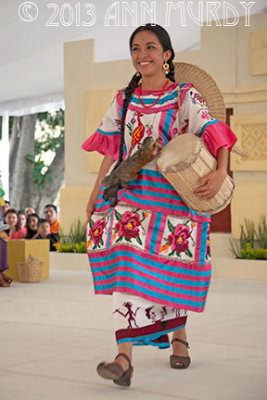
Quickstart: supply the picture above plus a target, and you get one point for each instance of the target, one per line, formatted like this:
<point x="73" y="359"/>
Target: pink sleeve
<point x="106" y="139"/>
<point x="198" y="120"/>
<point x="218" y="135"/>
<point x="103" y="144"/>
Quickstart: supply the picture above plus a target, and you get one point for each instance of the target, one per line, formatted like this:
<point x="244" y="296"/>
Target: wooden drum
<point x="183" y="161"/>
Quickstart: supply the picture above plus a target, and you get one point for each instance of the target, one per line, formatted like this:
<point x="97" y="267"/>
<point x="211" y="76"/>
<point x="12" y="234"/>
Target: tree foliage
<point x="36" y="159"/>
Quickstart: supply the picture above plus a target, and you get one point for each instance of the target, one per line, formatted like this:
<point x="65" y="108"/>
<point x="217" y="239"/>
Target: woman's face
<point x="21" y="221"/>
<point x="147" y="54"/>
<point x="11" y="219"/>
<point x="33" y="223"/>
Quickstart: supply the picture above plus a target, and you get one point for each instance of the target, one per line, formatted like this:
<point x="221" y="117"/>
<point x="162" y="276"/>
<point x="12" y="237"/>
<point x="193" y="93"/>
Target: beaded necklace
<point x="151" y="105"/>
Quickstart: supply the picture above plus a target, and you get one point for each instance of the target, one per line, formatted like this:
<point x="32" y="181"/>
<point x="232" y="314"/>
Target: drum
<point x="183" y="161"/>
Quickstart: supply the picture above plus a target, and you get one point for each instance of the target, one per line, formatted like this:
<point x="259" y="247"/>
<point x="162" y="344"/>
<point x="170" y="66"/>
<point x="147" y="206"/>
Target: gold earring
<point x="166" y="68"/>
<point x="137" y="74"/>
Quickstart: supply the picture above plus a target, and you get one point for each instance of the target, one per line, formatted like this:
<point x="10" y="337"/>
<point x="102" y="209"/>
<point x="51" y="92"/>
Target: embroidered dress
<point x="151" y="245"/>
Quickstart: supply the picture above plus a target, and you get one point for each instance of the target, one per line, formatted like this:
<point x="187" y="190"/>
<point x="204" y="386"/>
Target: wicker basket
<point x="30" y="271"/>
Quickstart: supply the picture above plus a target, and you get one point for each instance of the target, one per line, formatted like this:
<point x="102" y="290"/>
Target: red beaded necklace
<point x="151" y="105"/>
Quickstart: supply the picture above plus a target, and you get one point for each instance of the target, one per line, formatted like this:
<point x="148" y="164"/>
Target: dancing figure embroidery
<point x="130" y="315"/>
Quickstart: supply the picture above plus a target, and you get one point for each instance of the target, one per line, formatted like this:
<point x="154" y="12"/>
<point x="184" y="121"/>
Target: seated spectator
<point x="50" y="212"/>
<point x="11" y="218"/>
<point x="32" y="226"/>
<point x="43" y="230"/>
<point x="21" y="220"/>
<point x="29" y="210"/>
<point x="4" y="208"/>
<point x="5" y="281"/>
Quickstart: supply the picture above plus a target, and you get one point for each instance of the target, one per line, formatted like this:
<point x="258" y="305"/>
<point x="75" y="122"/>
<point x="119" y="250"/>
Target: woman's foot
<point x="120" y="370"/>
<point x="7" y="279"/>
<point x="3" y="282"/>
<point x="180" y="357"/>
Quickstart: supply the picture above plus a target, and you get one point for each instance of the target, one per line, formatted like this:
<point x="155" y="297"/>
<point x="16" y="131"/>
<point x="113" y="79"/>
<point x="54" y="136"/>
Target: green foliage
<point x="253" y="241"/>
<point x="254" y="254"/>
<point x="52" y="126"/>
<point x="74" y="241"/>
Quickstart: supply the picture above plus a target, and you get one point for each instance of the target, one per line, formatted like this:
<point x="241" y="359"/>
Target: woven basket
<point x="30" y="271"/>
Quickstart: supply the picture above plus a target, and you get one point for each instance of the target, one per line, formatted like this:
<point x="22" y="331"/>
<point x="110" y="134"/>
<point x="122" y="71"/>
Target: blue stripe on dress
<point x="156" y="203"/>
<point x="162" y="276"/>
<point x="155" y="233"/>
<point x="152" y="100"/>
<point x="110" y="229"/>
<point x="148" y="262"/>
<point x="206" y="125"/>
<point x="203" y="244"/>
<point x="108" y="133"/>
<point x="152" y="282"/>
<point x="151" y="293"/>
<point x="166" y="128"/>
<point x="151" y="336"/>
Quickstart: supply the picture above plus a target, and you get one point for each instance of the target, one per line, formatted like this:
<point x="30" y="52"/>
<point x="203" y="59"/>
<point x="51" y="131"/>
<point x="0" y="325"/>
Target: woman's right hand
<point x="90" y="208"/>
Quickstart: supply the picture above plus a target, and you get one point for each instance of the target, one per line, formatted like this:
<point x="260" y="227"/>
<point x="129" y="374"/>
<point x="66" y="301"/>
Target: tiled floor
<point x="54" y="333"/>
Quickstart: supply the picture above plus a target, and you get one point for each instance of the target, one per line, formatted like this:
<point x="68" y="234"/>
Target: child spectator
<point x="50" y="213"/>
<point x="11" y="218"/>
<point x="5" y="281"/>
<point x="32" y="226"/>
<point x="43" y="230"/>
<point x="21" y="220"/>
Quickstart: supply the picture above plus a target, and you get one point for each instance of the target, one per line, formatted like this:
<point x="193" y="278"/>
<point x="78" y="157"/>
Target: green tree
<point x="34" y="181"/>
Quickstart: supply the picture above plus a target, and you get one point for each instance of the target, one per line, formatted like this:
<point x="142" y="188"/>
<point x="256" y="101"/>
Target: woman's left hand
<point x="210" y="184"/>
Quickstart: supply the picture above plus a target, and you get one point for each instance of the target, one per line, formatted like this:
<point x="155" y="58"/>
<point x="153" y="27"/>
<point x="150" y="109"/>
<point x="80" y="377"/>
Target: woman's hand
<point x="90" y="208"/>
<point x="209" y="185"/>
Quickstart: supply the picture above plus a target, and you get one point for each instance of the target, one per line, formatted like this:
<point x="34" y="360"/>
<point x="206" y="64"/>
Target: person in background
<point x="4" y="208"/>
<point x="29" y="210"/>
<point x="32" y="226"/>
<point x="5" y="280"/>
<point x="50" y="213"/>
<point x="44" y="233"/>
<point x="21" y="224"/>
<point x="11" y="218"/>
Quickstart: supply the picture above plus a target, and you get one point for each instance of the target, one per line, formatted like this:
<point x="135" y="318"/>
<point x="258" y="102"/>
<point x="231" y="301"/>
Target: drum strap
<point x="179" y="111"/>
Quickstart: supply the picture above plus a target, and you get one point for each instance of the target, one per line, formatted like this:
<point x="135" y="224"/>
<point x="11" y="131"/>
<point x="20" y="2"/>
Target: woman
<point x="5" y="280"/>
<point x="150" y="251"/>
<point x="32" y="226"/>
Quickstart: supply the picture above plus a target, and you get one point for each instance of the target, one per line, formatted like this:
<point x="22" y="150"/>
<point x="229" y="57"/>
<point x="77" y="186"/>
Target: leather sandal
<point x="174" y="360"/>
<point x="115" y="372"/>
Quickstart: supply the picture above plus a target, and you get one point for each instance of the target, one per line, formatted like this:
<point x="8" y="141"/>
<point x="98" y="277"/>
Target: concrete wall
<point x="234" y="56"/>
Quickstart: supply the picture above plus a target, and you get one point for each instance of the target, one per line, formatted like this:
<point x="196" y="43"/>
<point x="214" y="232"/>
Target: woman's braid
<point x="128" y="94"/>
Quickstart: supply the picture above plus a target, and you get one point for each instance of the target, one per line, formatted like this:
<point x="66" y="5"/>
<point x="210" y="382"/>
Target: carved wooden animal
<point x="128" y="169"/>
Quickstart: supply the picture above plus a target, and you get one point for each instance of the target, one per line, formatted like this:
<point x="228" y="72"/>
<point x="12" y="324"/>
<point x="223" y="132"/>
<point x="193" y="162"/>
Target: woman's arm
<point x="210" y="184"/>
<point x="105" y="165"/>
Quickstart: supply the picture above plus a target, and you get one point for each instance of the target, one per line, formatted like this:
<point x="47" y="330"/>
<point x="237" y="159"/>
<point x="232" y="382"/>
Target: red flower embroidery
<point x="96" y="232"/>
<point x="178" y="238"/>
<point x="128" y="225"/>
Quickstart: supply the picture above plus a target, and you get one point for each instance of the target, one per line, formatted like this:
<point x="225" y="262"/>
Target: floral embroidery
<point x="197" y="99"/>
<point x="206" y="115"/>
<point x="179" y="239"/>
<point x="208" y="256"/>
<point x="128" y="226"/>
<point x="96" y="232"/>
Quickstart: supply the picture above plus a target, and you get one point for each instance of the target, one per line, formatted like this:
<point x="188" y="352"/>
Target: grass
<point x="75" y="240"/>
<point x="253" y="240"/>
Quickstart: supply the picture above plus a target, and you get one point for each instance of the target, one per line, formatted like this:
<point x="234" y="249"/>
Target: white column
<point x="4" y="163"/>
